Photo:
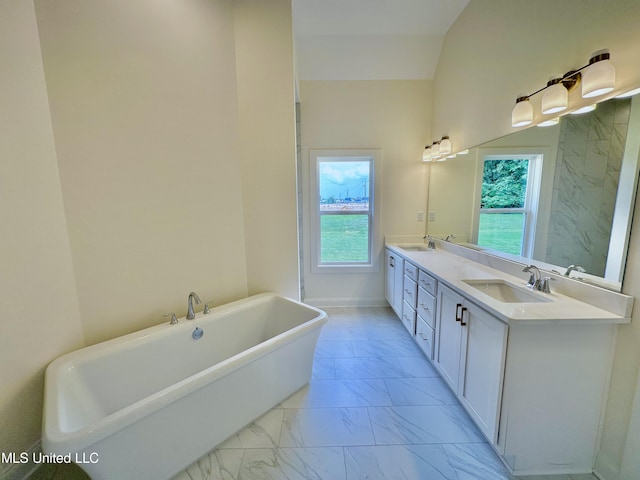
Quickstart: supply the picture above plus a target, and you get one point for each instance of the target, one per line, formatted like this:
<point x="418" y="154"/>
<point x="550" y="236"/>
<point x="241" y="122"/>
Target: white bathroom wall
<point x="267" y="144"/>
<point x="144" y="109"/>
<point x="39" y="315"/>
<point x="498" y="49"/>
<point x="389" y="115"/>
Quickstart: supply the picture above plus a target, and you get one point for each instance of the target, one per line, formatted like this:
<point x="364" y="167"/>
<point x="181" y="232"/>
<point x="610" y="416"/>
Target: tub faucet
<point x="190" y="313"/>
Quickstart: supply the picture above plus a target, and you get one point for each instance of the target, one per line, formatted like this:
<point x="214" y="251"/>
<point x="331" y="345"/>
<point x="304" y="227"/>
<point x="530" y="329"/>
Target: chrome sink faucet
<point x="190" y="313"/>
<point x="534" y="279"/>
<point x="571" y="268"/>
<point x="430" y="243"/>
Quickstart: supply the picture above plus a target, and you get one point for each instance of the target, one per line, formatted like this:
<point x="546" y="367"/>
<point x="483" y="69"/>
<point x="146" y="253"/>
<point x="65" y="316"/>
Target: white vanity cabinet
<point x="394" y="273"/>
<point x="532" y="375"/>
<point x="470" y="355"/>
<point x="410" y="297"/>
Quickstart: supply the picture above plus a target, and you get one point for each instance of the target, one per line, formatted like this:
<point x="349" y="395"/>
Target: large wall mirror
<point x="561" y="195"/>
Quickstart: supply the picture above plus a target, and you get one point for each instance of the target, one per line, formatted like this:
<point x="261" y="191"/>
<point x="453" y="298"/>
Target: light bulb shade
<point x="522" y="113"/>
<point x="555" y="97"/>
<point x="599" y="77"/>
<point x="426" y="155"/>
<point x="549" y="123"/>
<point x="435" y="150"/>
<point x="445" y="146"/>
<point x="586" y="109"/>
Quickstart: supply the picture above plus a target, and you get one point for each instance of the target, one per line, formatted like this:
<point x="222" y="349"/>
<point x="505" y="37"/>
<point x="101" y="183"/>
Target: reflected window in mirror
<point x="508" y="203"/>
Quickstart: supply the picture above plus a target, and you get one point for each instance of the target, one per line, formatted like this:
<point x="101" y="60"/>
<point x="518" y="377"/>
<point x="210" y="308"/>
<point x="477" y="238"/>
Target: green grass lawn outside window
<point x="501" y="231"/>
<point x="344" y="238"/>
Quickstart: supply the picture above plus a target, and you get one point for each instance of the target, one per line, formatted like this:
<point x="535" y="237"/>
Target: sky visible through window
<point x="344" y="182"/>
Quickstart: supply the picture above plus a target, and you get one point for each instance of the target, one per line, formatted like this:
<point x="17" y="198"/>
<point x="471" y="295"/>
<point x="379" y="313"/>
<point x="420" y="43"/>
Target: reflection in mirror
<point x="561" y="195"/>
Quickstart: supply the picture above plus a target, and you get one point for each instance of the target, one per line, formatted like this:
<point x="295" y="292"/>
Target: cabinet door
<point x="483" y="352"/>
<point x="448" y="335"/>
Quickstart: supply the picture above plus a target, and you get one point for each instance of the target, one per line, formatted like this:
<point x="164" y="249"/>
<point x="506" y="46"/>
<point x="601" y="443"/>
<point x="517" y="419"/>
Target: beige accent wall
<point x="389" y="115"/>
<point x="498" y="49"/>
<point x="39" y="315"/>
<point x="144" y="108"/>
<point x="267" y="144"/>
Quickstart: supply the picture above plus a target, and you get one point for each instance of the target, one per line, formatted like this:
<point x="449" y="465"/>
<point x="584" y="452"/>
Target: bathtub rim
<point x="62" y="442"/>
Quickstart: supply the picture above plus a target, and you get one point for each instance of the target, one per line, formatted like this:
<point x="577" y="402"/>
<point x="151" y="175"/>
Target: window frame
<point x="372" y="264"/>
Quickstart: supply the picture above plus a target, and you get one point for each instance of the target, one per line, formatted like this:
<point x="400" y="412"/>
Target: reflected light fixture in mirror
<point x="426" y="155"/>
<point x="445" y="146"/>
<point x="435" y="150"/>
<point x="630" y="93"/>
<point x="549" y="123"/>
<point x="587" y="109"/>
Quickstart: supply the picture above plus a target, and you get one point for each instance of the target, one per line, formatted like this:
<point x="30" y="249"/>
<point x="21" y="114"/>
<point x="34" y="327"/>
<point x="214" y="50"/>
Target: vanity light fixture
<point x="463" y="152"/>
<point x="426" y="155"/>
<point x="453" y="155"/>
<point x="435" y="150"/>
<point x="598" y="77"/>
<point x="445" y="145"/>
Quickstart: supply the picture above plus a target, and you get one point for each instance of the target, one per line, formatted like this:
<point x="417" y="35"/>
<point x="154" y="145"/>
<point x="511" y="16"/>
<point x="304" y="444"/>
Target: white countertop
<point x="452" y="269"/>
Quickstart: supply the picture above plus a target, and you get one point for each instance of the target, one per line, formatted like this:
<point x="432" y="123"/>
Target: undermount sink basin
<point x="414" y="248"/>
<point x="506" y="292"/>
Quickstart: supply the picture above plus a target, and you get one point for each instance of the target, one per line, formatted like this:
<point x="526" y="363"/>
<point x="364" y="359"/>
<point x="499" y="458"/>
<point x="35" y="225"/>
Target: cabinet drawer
<point x="411" y="271"/>
<point x="426" y="306"/>
<point x="424" y="337"/>
<point x="409" y="318"/>
<point x="410" y="294"/>
<point x="427" y="282"/>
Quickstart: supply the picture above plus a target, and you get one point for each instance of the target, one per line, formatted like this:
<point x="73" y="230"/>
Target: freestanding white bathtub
<point x="148" y="404"/>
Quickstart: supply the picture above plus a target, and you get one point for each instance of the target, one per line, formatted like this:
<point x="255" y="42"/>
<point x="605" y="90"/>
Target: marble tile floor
<point x="375" y="409"/>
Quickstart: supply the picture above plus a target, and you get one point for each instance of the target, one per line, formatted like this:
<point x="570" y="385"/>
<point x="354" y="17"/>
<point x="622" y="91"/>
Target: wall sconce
<point x="598" y="77"/>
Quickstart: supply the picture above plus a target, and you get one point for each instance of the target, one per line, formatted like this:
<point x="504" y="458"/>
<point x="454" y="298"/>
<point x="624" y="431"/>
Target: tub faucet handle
<point x="173" y="320"/>
<point x="206" y="310"/>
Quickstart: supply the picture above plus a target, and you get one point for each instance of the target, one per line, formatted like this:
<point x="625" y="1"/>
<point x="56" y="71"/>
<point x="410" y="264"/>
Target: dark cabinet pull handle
<point x="391" y="262"/>
<point x="462" y="316"/>
<point x="458" y="316"/>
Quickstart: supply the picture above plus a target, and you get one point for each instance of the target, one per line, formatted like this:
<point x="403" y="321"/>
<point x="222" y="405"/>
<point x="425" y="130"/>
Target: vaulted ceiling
<point x="371" y="39"/>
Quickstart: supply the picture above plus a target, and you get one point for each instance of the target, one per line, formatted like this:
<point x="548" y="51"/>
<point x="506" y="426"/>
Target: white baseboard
<point x="346" y="302"/>
<point x="21" y="471"/>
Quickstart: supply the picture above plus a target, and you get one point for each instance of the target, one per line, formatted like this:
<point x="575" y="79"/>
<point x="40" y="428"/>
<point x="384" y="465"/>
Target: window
<point x="343" y="185"/>
<point x="508" y="203"/>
